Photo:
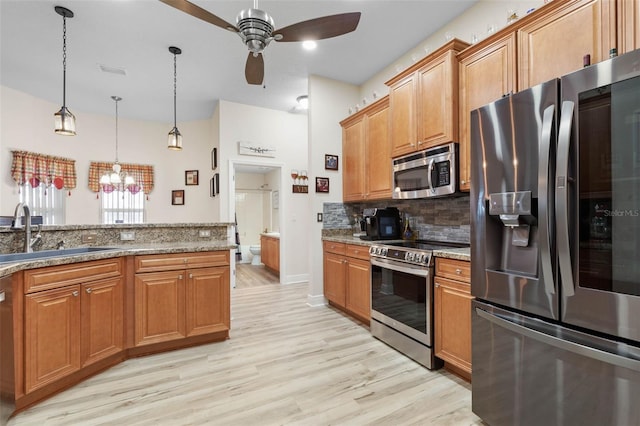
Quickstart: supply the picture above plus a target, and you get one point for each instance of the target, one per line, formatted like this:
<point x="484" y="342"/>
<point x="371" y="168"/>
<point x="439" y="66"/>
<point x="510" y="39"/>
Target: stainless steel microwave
<point x="429" y="173"/>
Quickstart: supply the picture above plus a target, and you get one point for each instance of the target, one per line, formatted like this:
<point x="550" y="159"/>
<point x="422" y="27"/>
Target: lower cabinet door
<point x="207" y="300"/>
<point x="101" y="312"/>
<point x="358" y="298"/>
<point x="52" y="335"/>
<point x="334" y="278"/>
<point x="159" y="307"/>
<point x="453" y="322"/>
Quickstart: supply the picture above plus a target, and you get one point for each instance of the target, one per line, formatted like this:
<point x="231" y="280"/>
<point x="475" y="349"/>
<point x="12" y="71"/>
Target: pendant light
<point x="175" y="138"/>
<point x="117" y="179"/>
<point x="65" y="121"/>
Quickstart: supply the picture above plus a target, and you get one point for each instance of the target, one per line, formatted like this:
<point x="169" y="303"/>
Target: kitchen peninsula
<point x="68" y="317"/>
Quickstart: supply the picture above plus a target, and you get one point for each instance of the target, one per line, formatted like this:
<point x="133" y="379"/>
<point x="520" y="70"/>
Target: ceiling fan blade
<point x="254" y="69"/>
<point x="200" y="13"/>
<point x="320" y="28"/>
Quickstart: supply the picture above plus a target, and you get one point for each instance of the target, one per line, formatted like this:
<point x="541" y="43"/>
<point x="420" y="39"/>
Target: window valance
<point x="141" y="173"/>
<point x="37" y="169"/>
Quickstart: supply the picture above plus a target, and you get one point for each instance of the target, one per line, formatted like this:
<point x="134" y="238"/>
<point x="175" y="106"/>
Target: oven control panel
<point x="412" y="256"/>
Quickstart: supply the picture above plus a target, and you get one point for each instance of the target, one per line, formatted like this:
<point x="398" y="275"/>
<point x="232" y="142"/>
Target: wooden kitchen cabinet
<point x="423" y="102"/>
<point x="628" y="25"/>
<point x="453" y="314"/>
<point x="181" y="295"/>
<point x="347" y="276"/>
<point x="366" y="154"/>
<point x="487" y="73"/>
<point x="72" y="320"/>
<point x="555" y="43"/>
<point x="270" y="252"/>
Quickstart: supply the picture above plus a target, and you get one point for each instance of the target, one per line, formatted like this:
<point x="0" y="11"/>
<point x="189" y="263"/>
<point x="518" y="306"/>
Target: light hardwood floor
<point x="286" y="363"/>
<point x="248" y="275"/>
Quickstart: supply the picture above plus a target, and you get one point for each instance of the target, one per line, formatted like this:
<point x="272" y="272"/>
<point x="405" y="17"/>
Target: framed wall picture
<point x="191" y="177"/>
<point x="322" y="184"/>
<point x="214" y="158"/>
<point x="177" y="197"/>
<point x="330" y="162"/>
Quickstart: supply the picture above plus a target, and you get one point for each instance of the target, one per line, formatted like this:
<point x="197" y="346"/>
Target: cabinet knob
<point x="75" y="294"/>
<point x="437" y="285"/>
<point x="190" y="276"/>
<point x="185" y="260"/>
<point x="458" y="271"/>
<point x="463" y="182"/>
<point x="88" y="290"/>
<point x="180" y="276"/>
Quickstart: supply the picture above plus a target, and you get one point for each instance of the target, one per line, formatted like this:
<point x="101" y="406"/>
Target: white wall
<point x="287" y="133"/>
<point x="329" y="102"/>
<point x="27" y="124"/>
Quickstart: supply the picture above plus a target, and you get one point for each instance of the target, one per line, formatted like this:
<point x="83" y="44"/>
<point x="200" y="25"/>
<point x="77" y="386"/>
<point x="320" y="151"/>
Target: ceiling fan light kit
<point x="175" y="138"/>
<point x="65" y="121"/>
<point x="256" y="28"/>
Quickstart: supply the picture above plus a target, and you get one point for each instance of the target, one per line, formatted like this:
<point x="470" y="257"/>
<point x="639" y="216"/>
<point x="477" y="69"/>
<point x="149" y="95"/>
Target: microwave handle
<point x="429" y="180"/>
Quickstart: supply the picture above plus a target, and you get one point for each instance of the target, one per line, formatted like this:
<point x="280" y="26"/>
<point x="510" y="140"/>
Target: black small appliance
<point x="381" y="224"/>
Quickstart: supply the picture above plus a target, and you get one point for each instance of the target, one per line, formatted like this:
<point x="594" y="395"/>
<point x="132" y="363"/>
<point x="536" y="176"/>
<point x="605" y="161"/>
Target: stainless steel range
<point x="402" y="297"/>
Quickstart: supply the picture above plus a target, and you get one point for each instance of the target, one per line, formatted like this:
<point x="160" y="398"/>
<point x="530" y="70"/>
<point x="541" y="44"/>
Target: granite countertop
<point x="449" y="253"/>
<point x="129" y="250"/>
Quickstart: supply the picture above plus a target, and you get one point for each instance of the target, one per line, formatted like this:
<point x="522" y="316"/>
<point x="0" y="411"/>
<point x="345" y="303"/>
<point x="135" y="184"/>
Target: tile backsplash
<point x="435" y="218"/>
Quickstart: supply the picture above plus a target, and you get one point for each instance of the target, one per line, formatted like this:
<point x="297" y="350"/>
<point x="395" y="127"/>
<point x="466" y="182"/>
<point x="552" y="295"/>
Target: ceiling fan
<point x="256" y="29"/>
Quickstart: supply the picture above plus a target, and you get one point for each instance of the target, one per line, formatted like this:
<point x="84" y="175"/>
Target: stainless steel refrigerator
<point x="555" y="251"/>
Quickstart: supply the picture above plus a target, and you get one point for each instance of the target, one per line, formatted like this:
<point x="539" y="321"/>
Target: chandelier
<point x="118" y="179"/>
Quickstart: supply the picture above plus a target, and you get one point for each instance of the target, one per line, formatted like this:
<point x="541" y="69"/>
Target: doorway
<point x="255" y="205"/>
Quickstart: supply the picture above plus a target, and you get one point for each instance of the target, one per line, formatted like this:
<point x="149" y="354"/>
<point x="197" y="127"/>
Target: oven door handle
<point x="396" y="266"/>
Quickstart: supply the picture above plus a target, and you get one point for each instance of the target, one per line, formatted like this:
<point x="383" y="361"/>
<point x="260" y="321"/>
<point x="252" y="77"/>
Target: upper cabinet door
<point x="556" y="43"/>
<point x="438" y="101"/>
<point x="378" y="168"/>
<point x="485" y="75"/>
<point x="628" y="26"/>
<point x="353" y="151"/>
<point x="402" y="101"/>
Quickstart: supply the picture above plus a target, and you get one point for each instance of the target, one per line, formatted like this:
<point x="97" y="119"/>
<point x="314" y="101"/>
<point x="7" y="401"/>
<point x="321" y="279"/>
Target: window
<point x="48" y="202"/>
<point x="122" y="207"/>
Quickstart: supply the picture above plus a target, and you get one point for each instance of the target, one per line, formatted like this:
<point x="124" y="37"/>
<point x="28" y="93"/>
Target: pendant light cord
<point x="116" y="130"/>
<point x="175" y="83"/>
<point x="64" y="61"/>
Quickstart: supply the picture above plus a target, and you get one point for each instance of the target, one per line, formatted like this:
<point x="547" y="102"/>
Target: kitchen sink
<point x="44" y="254"/>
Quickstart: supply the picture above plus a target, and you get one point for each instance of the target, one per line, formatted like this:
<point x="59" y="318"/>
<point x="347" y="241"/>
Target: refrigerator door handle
<point x="544" y="202"/>
<point x="566" y="345"/>
<point x="562" y="199"/>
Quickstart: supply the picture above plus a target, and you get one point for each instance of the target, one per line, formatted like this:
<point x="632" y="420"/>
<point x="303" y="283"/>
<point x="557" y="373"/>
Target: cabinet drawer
<point x="360" y="252"/>
<point x="333" y="247"/>
<point x="77" y="273"/>
<point x="459" y="270"/>
<point x="172" y="262"/>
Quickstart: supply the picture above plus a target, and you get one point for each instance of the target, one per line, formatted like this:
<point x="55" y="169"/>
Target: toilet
<point x="255" y="251"/>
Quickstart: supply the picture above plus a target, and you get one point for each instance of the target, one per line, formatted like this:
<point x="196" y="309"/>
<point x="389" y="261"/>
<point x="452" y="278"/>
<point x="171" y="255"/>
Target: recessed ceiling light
<point x="309" y="44"/>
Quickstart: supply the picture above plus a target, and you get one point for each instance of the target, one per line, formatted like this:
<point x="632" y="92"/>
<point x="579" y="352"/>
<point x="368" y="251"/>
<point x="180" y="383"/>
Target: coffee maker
<point x="381" y="224"/>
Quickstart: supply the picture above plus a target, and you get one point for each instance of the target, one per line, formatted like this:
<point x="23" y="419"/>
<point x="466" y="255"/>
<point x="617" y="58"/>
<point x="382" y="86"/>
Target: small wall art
<point x="177" y="197"/>
<point x="322" y="184"/>
<point x="191" y="177"/>
<point x="330" y="162"/>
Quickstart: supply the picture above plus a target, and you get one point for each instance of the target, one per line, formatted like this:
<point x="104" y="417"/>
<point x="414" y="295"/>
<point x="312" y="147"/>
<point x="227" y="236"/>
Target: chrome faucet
<point x="26" y="221"/>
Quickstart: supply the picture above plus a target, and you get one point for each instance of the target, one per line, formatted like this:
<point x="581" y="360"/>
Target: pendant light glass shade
<point x="65" y="121"/>
<point x="175" y="138"/>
